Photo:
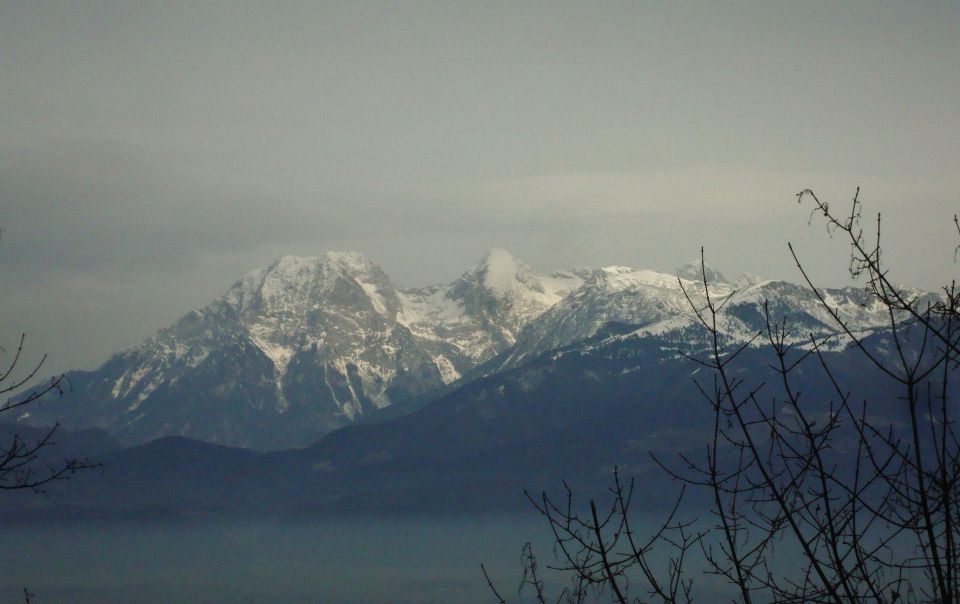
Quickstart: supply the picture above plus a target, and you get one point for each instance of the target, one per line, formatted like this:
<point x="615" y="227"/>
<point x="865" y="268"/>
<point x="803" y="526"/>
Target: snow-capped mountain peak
<point x="695" y="269"/>
<point x="619" y="278"/>
<point x="505" y="293"/>
<point x="503" y="275"/>
<point x="309" y="344"/>
<point x="293" y="280"/>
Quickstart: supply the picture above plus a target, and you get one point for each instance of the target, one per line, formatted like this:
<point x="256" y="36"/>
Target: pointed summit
<point x="301" y="281"/>
<point x="501" y="273"/>
<point x="694" y="271"/>
<point x="503" y="291"/>
<point x="497" y="256"/>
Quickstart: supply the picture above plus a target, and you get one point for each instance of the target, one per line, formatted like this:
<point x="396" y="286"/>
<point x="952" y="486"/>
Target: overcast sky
<point x="152" y="153"/>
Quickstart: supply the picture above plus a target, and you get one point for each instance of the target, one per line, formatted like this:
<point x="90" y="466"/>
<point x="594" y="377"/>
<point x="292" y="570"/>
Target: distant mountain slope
<point x="302" y="347"/>
<point x="308" y="345"/>
<point x="572" y="414"/>
<point x="656" y="304"/>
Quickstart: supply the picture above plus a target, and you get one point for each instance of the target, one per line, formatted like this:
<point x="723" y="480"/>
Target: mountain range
<point x="304" y="346"/>
<point x="317" y="386"/>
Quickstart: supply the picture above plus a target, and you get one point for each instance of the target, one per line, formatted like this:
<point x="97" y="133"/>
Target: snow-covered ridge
<point x="658" y="304"/>
<point x="308" y="344"/>
<point x="619" y="278"/>
<point x="329" y="337"/>
<point x="344" y="303"/>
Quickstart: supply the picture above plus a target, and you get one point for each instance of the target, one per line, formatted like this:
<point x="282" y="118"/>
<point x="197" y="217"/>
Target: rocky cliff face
<point x="304" y="346"/>
<point x="307" y="345"/>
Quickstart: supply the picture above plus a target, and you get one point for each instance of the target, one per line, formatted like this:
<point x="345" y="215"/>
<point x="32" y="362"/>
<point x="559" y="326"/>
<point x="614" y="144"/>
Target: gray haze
<point x="152" y="153"/>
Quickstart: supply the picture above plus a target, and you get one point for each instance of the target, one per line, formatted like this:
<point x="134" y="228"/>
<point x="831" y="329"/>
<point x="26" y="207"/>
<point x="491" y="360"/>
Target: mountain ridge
<point x="307" y="345"/>
<point x="303" y="346"/>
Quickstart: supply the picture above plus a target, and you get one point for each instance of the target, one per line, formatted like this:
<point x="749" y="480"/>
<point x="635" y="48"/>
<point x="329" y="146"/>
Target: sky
<point x="152" y="153"/>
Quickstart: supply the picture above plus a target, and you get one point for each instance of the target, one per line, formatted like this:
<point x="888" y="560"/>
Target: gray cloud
<point x="151" y="153"/>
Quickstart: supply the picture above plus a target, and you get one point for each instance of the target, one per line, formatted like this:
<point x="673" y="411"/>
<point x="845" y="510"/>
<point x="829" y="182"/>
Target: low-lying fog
<point x="359" y="560"/>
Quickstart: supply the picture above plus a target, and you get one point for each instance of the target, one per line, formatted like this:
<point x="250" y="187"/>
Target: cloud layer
<point x="149" y="155"/>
